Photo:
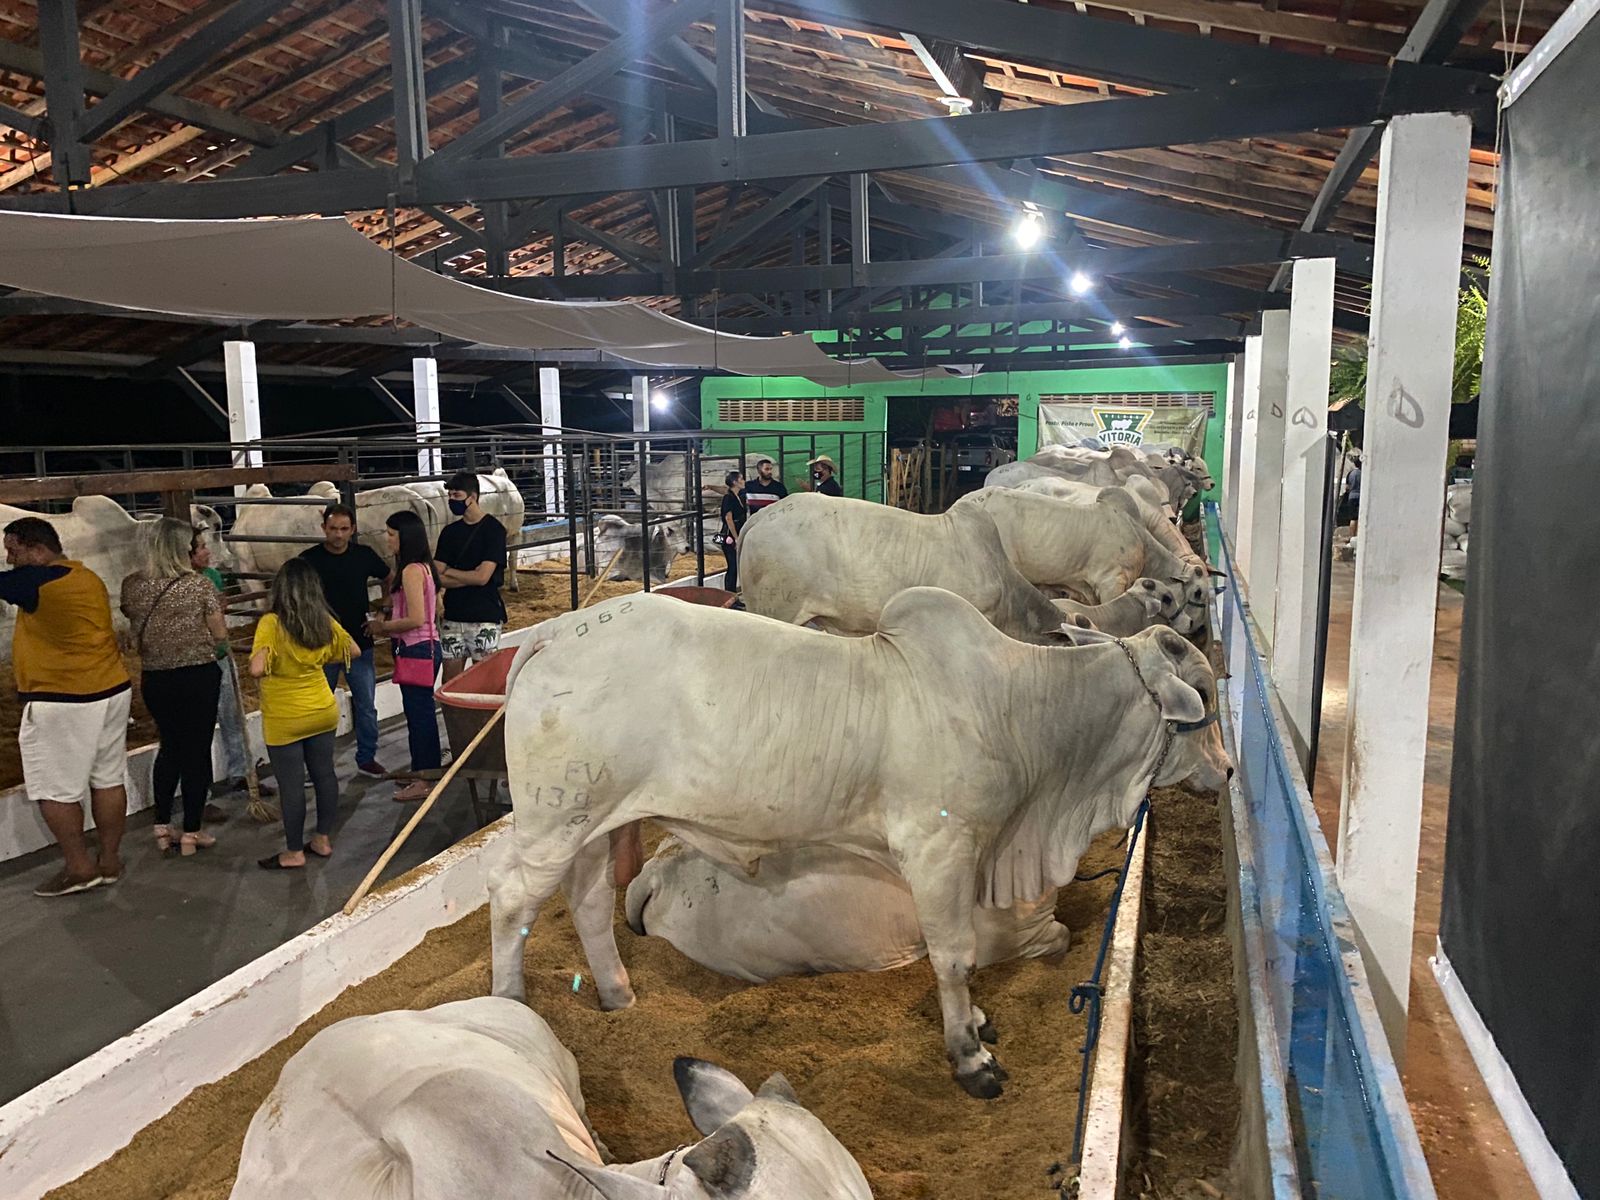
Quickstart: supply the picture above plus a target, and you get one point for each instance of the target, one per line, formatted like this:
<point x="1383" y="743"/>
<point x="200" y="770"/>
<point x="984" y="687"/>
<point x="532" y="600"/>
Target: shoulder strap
<point x="151" y="611"/>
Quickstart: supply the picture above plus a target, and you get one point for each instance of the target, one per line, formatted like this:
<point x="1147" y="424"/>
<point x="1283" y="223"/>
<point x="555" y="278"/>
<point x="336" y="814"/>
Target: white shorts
<point x="69" y="748"/>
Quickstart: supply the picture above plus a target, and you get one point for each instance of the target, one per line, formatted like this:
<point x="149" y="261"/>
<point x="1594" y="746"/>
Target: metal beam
<point x="22" y="122"/>
<point x="63" y="89"/>
<point x="176" y="66"/>
<point x="407" y="87"/>
<point x="520" y="406"/>
<point x="634" y="41"/>
<point x="1437" y="32"/>
<point x="203" y="400"/>
<point x="732" y="121"/>
<point x="746" y="227"/>
<point x="389" y="400"/>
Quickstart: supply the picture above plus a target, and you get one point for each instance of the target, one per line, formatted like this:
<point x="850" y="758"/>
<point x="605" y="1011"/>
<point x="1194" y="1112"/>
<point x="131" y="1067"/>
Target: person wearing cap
<point x="764" y="489"/>
<point x="822" y="476"/>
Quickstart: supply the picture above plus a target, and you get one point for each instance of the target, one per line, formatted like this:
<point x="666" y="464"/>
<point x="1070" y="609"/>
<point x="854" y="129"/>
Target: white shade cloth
<point x="321" y="269"/>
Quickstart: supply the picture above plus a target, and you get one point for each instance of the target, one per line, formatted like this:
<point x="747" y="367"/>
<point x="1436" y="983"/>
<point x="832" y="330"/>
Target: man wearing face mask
<point x="470" y="563"/>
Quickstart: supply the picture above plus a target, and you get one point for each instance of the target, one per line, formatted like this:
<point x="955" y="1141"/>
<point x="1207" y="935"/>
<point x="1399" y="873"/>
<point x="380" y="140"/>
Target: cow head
<point x="761" y="1146"/>
<point x="1188" y="613"/>
<point x="1160" y="600"/>
<point x="1187" y="691"/>
<point x="209" y="522"/>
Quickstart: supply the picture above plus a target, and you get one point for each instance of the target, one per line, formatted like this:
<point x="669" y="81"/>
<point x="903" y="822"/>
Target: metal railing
<point x="1337" y="1125"/>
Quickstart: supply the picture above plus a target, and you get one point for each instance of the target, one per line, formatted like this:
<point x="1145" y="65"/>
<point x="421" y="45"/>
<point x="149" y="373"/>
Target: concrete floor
<point x="79" y="972"/>
<point x="1468" y="1149"/>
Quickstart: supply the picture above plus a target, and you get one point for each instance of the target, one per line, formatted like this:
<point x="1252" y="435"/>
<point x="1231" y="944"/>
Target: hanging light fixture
<point x="1028" y="232"/>
<point x="1117" y="328"/>
<point x="1079" y="283"/>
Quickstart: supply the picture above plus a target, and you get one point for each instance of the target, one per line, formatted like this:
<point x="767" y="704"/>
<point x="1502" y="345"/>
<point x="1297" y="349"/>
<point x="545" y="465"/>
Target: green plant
<point x="1347" y="379"/>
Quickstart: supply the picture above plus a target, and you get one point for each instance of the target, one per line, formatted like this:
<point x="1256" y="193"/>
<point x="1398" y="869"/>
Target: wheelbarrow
<point x="475" y="695"/>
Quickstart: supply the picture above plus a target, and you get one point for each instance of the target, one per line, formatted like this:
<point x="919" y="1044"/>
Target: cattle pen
<point x="1317" y="1095"/>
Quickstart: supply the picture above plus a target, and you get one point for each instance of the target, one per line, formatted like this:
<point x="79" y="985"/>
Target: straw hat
<point x="823" y="458"/>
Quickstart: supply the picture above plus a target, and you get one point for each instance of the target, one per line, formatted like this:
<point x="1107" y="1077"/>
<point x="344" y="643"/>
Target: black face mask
<point x="458" y="507"/>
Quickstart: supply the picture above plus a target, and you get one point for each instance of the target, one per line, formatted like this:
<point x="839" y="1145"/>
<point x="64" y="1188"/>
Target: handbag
<point x="416" y="663"/>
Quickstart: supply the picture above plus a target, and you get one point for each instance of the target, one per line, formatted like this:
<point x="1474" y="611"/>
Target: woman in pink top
<point x="414" y="626"/>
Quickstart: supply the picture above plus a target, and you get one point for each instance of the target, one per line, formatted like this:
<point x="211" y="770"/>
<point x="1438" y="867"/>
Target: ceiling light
<point x="1079" y="283"/>
<point x="956" y="106"/>
<point x="1029" y="230"/>
<point x="1125" y="342"/>
<point x="1117" y="328"/>
<point x="659" y="402"/>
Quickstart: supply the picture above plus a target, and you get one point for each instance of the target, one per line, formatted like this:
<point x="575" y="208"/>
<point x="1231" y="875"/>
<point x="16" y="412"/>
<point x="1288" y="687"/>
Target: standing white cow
<point x="1158" y="519"/>
<point x="809" y="910"/>
<point x="976" y="767"/>
<point x="478" y="1099"/>
<point x="1148" y="602"/>
<point x="497" y="495"/>
<point x="300" y="520"/>
<point x="111" y="542"/>
<point x="838" y="562"/>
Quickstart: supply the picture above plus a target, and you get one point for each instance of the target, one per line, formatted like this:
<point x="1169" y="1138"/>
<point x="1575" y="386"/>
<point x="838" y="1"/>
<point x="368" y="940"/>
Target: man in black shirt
<point x="763" y="489"/>
<point x="822" y="480"/>
<point x="345" y="567"/>
<point x="471" y="564"/>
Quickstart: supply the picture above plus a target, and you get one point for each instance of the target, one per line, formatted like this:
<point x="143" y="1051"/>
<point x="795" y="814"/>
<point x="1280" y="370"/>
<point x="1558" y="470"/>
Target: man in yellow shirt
<point x="75" y="696"/>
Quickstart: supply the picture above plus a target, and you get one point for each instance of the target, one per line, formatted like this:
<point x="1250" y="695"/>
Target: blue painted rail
<point x="1331" y="1118"/>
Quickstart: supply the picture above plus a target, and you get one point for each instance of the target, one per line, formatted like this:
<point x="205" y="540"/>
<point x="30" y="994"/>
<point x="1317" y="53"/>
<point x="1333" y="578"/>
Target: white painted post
<point x="1245" y="468"/>
<point x="641" y="404"/>
<point x="1305" y="449"/>
<point x="244" y="403"/>
<point x="1422" y="186"/>
<point x="1232" y="421"/>
<point x="550" y="413"/>
<point x="1267" y="491"/>
<point x="425" y="410"/>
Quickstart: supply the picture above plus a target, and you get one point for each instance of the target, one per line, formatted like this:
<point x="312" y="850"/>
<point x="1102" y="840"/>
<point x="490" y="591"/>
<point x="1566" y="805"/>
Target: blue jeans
<point x="422" y="723"/>
<point x="363" y="680"/>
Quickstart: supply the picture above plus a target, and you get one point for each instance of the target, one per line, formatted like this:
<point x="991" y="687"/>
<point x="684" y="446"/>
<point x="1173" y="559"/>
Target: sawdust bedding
<point x="863" y="1051"/>
<point x="541" y="596"/>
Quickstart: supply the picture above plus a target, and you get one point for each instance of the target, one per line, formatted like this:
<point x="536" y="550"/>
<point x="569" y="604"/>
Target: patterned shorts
<point x="468" y="639"/>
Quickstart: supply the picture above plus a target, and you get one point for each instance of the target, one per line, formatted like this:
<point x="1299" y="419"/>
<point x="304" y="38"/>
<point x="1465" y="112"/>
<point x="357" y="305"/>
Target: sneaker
<point x="413" y="791"/>
<point x="64" y="885"/>
<point x="373" y="768"/>
<point x="214" y="815"/>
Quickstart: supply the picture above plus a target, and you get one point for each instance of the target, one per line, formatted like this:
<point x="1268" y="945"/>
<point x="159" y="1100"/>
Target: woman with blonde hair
<point x="176" y="625"/>
<point x="293" y="642"/>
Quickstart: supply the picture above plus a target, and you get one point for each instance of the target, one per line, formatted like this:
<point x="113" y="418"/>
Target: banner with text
<point x="1069" y="422"/>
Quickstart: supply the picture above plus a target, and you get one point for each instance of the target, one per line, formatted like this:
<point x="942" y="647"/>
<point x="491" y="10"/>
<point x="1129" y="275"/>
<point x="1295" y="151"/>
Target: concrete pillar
<point x="1245" y="468"/>
<point x="1422" y="186"/>
<point x="1267" y="490"/>
<point x="425" y="409"/>
<point x="1305" y="448"/>
<point x="555" y="488"/>
<point x="1232" y="420"/>
<point x="244" y="403"/>
<point x="641" y="404"/>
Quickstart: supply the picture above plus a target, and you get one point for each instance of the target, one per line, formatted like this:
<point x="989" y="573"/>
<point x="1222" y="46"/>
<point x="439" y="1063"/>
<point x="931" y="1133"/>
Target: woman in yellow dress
<point x="293" y="642"/>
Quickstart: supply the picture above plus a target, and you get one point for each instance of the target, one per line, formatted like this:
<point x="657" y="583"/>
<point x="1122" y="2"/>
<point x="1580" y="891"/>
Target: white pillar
<point x="1305" y="448"/>
<point x="1245" y="470"/>
<point x="550" y="414"/>
<point x="1232" y="421"/>
<point x="1267" y="489"/>
<point x="1422" y="186"/>
<point x="425" y="410"/>
<point x="641" y="404"/>
<point x="244" y="403"/>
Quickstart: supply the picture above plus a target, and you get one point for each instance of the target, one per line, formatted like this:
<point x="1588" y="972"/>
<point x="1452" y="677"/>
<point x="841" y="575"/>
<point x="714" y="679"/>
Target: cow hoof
<point x="988" y="1033"/>
<point x="617" y="1003"/>
<point x="982" y="1084"/>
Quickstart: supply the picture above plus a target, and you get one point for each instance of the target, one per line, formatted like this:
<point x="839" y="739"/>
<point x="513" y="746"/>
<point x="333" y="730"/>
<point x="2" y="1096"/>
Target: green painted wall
<point x="1028" y="386"/>
<point x="860" y="448"/>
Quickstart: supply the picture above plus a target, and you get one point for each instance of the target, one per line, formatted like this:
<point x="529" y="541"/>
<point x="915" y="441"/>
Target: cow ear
<point x="1085" y="637"/>
<point x="1148" y="585"/>
<point x="712" y="1096"/>
<point x="725" y="1162"/>
<point x="611" y="1185"/>
<point x="777" y="1088"/>
<point x="1179" y="701"/>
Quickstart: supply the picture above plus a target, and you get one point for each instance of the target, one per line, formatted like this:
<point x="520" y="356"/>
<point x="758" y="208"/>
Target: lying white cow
<point x="613" y="533"/>
<point x="478" y="1099"/>
<point x="976" y="767"/>
<point x="810" y="910"/>
<point x="111" y="542"/>
<point x="838" y="562"/>
<point x="1148" y="602"/>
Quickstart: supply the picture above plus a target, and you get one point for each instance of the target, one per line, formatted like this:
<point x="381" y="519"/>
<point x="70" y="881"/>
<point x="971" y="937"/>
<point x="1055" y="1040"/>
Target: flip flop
<point x="273" y="863"/>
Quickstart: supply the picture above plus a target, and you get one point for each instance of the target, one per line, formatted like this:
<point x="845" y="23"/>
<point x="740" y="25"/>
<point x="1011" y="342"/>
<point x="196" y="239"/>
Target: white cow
<point x="976" y="767"/>
<point x="1159" y="519"/>
<point x="809" y="910"/>
<point x="111" y="542"/>
<point x="1148" y="602"/>
<point x="1030" y="473"/>
<point x="497" y="495"/>
<point x="478" y="1099"/>
<point x="1094" y="551"/>
<point x="838" y="562"/>
<point x="300" y="520"/>
<point x="1108" y="468"/>
<point x="613" y="533"/>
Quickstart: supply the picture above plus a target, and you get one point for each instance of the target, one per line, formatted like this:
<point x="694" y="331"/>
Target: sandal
<point x="311" y="847"/>
<point x="163" y="838"/>
<point x="274" y="862"/>
<point x="412" y="792"/>
<point x="190" y="842"/>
